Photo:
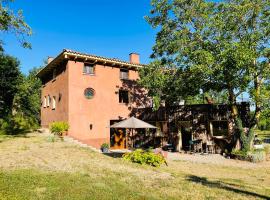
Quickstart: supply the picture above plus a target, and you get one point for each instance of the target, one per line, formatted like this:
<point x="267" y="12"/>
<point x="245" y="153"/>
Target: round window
<point x="89" y="93"/>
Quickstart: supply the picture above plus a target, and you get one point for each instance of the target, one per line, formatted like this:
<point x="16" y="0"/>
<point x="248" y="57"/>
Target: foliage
<point x="252" y="156"/>
<point x="240" y="154"/>
<point x="51" y="138"/>
<point x="59" y="128"/>
<point x="105" y="146"/>
<point x="13" y="22"/>
<point x="256" y="156"/>
<point x="27" y="100"/>
<point x="246" y="139"/>
<point x="10" y="78"/>
<point x="144" y="157"/>
<point x="204" y="45"/>
<point x="17" y="124"/>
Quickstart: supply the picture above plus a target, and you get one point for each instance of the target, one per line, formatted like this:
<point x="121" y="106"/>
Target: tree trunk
<point x="257" y="87"/>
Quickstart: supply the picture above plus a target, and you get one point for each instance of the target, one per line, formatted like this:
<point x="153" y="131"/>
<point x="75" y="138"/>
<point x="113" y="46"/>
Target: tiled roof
<point x="68" y="54"/>
<point x="101" y="57"/>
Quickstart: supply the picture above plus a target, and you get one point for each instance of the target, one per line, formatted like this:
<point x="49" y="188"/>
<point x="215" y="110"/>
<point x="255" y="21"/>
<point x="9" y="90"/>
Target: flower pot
<point x="105" y="150"/>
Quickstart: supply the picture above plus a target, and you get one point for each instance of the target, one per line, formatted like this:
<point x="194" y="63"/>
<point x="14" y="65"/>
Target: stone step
<point x="75" y="141"/>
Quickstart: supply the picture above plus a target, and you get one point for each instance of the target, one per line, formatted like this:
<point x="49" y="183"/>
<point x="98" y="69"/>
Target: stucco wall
<point x="99" y="110"/>
<point x="58" y="88"/>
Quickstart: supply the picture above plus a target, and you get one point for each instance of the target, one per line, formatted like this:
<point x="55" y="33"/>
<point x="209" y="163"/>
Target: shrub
<point x="51" y="138"/>
<point x="105" y="145"/>
<point x="252" y="156"/>
<point x="59" y="128"/>
<point x="17" y="124"/>
<point x="239" y="154"/>
<point x="256" y="156"/>
<point x="144" y="157"/>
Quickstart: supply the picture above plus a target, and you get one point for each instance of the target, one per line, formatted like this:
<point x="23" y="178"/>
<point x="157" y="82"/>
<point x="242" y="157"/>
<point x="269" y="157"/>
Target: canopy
<point x="132" y="123"/>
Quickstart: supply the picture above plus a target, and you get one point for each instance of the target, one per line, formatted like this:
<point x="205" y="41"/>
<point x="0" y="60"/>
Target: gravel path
<point x="214" y="159"/>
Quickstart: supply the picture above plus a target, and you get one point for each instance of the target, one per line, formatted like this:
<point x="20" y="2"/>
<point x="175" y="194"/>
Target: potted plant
<point x="105" y="148"/>
<point x="59" y="128"/>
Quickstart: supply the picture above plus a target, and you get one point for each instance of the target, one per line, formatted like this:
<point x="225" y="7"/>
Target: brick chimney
<point x="50" y="59"/>
<point x="134" y="58"/>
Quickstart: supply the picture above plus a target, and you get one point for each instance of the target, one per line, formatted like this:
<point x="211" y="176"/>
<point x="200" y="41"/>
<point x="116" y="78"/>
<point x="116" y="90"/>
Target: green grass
<point x="46" y="170"/>
<point x="263" y="134"/>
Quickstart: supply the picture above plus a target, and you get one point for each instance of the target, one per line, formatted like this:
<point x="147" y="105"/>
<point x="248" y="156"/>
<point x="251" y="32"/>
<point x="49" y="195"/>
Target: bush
<point x="104" y="146"/>
<point x="144" y="157"/>
<point x="17" y="124"/>
<point x="239" y="154"/>
<point x="51" y="138"/>
<point x="256" y="156"/>
<point x="252" y="156"/>
<point x="59" y="128"/>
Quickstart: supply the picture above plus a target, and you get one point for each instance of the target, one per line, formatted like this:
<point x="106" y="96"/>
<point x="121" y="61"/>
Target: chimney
<point x="134" y="58"/>
<point x="50" y="59"/>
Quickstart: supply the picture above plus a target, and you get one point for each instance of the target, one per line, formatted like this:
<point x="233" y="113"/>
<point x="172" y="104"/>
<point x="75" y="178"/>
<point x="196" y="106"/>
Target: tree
<point x="13" y="22"/>
<point x="221" y="47"/>
<point x="10" y="78"/>
<point x="27" y="99"/>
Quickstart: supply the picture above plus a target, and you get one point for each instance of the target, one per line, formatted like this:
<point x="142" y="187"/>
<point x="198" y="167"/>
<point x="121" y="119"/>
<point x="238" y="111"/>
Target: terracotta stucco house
<point x="90" y="93"/>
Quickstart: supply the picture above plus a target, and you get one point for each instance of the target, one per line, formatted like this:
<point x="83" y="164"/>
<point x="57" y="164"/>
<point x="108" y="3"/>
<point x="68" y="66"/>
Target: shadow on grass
<point x="223" y="185"/>
<point x="114" y="154"/>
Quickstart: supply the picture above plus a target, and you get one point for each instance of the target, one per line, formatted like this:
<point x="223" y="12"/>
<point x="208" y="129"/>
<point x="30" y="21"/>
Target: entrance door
<point x="117" y="137"/>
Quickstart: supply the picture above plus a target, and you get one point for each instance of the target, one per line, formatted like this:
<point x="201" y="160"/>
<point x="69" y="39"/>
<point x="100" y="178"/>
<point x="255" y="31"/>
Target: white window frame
<point x="87" y="67"/>
<point x="53" y="102"/>
<point x="44" y="102"/>
<point x="48" y="101"/>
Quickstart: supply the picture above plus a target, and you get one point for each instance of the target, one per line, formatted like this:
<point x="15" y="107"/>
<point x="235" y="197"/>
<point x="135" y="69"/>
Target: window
<point x="48" y="101"/>
<point x="89" y="69"/>
<point x="53" y="103"/>
<point x="220" y="128"/>
<point x="124" y="73"/>
<point x="123" y="96"/>
<point x="89" y="93"/>
<point x="44" y="102"/>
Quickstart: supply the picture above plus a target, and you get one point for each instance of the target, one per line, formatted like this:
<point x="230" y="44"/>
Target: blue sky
<point x="102" y="27"/>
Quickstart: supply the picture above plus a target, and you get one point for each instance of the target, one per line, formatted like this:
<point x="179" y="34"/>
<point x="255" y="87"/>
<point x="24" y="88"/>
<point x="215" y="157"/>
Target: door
<point x="117" y="137"/>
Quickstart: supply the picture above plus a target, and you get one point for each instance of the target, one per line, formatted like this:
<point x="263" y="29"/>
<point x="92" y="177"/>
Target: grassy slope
<point x="31" y="168"/>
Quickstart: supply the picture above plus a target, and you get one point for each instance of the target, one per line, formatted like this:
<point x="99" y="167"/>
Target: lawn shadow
<point x="224" y="185"/>
<point x="114" y="154"/>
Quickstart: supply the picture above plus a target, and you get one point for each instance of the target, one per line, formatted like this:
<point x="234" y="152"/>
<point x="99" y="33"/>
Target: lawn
<point x="31" y="167"/>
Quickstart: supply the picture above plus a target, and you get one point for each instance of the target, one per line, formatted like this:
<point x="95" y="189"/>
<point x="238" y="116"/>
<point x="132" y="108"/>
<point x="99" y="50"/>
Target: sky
<point x="110" y="28"/>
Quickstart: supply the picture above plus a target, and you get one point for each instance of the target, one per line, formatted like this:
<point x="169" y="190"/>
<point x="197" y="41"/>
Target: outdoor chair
<point x="210" y="147"/>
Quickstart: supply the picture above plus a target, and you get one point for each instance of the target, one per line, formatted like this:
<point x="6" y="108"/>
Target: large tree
<point x="13" y="22"/>
<point x="203" y="45"/>
<point x="10" y="78"/>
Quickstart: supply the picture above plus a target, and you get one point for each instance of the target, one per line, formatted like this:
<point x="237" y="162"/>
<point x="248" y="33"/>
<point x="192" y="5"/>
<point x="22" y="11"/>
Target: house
<point x="207" y="124"/>
<point x="91" y="93"/>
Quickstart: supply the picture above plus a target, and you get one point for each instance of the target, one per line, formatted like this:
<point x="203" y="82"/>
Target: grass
<point x="33" y="168"/>
<point x="263" y="134"/>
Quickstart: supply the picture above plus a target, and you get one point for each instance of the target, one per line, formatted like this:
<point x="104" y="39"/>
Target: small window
<point x="89" y="93"/>
<point x="53" y="103"/>
<point x="44" y="102"/>
<point x="48" y="101"/>
<point x="123" y="96"/>
<point x="124" y="74"/>
<point x="89" y="69"/>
